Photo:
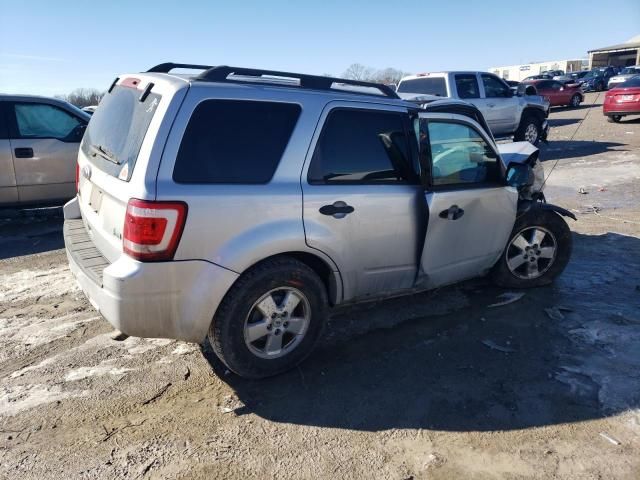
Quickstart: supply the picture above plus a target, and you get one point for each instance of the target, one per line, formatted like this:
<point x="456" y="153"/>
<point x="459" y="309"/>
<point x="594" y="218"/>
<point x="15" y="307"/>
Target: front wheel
<point x="538" y="250"/>
<point x="530" y="129"/>
<point x="270" y="319"/>
<point x="575" y="101"/>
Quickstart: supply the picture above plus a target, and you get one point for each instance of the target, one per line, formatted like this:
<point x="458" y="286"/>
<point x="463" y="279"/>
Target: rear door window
<point x="235" y="141"/>
<point x="116" y="130"/>
<point x="467" y="86"/>
<point x="39" y="120"/>
<point x="362" y="147"/>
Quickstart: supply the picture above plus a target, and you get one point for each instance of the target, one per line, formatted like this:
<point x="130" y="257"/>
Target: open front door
<point x="471" y="211"/>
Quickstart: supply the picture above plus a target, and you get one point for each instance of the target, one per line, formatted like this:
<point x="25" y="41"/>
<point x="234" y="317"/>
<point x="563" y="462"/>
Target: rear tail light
<point x="152" y="230"/>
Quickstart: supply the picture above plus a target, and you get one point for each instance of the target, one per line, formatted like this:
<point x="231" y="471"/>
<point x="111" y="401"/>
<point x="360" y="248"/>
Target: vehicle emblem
<point x="86" y="172"/>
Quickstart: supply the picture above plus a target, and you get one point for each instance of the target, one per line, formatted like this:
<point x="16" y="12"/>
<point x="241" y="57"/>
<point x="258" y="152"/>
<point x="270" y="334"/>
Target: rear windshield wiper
<point x="104" y="153"/>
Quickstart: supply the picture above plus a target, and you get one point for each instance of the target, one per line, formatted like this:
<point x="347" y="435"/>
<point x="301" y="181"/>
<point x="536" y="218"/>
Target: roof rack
<point x="315" y="82"/>
<point x="253" y="75"/>
<point x="167" y="67"/>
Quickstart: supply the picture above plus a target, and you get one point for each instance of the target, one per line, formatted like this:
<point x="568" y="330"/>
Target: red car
<point x="622" y="100"/>
<point x="558" y="93"/>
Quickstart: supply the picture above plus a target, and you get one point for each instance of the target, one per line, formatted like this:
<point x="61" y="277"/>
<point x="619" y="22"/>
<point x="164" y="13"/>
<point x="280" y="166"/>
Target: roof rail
<point x="315" y="82"/>
<point x="167" y="67"/>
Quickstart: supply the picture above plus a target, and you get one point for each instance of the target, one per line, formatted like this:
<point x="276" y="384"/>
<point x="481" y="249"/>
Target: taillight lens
<point x="152" y="230"/>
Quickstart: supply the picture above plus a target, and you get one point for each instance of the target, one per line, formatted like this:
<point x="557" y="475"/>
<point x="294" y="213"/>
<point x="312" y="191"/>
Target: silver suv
<point x="243" y="203"/>
<point x="508" y="112"/>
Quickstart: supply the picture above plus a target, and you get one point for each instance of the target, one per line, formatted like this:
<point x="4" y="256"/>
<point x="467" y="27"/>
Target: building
<point x="520" y="72"/>
<point x="623" y="54"/>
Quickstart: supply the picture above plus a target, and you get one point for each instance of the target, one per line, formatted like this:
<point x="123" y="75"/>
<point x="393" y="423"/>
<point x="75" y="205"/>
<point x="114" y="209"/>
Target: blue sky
<point x="51" y="47"/>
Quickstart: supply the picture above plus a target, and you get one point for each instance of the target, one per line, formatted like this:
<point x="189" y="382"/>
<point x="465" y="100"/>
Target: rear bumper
<point x="158" y="300"/>
<point x="621" y="109"/>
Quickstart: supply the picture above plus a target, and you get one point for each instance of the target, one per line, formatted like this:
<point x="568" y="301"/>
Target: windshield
<point x="424" y="86"/>
<point x="629" y="70"/>
<point x="116" y="130"/>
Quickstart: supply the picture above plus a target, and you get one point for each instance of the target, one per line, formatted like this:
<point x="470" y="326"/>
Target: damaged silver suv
<point x="244" y="203"/>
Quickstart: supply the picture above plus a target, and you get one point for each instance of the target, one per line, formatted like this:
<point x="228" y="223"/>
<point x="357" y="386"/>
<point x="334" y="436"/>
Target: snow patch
<point x="104" y="368"/>
<point x="36" y="283"/>
<point x="15" y="399"/>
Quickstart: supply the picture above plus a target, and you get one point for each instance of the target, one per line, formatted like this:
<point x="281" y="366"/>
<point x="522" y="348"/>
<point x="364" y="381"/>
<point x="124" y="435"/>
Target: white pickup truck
<point x="507" y="113"/>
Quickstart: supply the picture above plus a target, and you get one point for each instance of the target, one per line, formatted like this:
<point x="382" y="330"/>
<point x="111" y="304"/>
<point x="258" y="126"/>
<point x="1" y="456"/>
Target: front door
<point x="471" y="211"/>
<point x="8" y="189"/>
<point x="44" y="143"/>
<point x="363" y="201"/>
<point x="499" y="106"/>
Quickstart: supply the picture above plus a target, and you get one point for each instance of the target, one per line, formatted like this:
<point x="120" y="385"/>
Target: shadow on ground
<point x="562" y="122"/>
<point x="561" y="149"/>
<point x="446" y="361"/>
<point x="26" y="232"/>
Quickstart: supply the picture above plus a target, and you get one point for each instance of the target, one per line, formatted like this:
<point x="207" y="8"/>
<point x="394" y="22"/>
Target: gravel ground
<point x="438" y="385"/>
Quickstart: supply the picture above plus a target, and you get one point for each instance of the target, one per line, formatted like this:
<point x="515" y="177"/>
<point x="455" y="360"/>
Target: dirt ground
<point x="438" y="385"/>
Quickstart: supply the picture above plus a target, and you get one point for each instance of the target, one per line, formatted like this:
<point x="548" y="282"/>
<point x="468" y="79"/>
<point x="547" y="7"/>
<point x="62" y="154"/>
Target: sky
<point x="52" y="47"/>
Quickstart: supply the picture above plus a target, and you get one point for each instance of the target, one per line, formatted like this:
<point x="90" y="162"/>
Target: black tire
<point x="529" y="119"/>
<point x="614" y="118"/>
<point x="555" y="224"/>
<point x="575" y="101"/>
<point x="226" y="333"/>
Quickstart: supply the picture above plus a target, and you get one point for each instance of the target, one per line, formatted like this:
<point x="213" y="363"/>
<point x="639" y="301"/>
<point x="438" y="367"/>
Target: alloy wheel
<point x="531" y="133"/>
<point x="277" y="322"/>
<point x="531" y="252"/>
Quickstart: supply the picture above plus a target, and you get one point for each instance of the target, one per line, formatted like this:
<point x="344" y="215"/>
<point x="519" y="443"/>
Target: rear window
<point x="424" y="86"/>
<point x="116" y="130"/>
<point x="231" y="141"/>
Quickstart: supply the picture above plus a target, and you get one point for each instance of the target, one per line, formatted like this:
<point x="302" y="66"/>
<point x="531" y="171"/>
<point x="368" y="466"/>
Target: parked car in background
<point x="578" y="75"/>
<point x="251" y="242"/>
<point x="542" y="76"/>
<point x="558" y="93"/>
<point x="564" y="79"/>
<point x="39" y="140"/>
<point x="625" y="74"/>
<point x="622" y="100"/>
<point x="597" y="79"/>
<point x="553" y="73"/>
<point x="507" y="113"/>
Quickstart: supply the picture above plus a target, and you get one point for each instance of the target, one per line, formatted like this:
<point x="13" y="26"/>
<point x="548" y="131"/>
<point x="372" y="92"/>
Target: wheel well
<point x="319" y="266"/>
<point x="533" y="112"/>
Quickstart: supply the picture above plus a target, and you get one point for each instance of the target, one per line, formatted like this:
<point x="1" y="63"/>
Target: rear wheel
<point x="614" y="118"/>
<point x="538" y="251"/>
<point x="270" y="319"/>
<point x="575" y="101"/>
<point x="530" y="129"/>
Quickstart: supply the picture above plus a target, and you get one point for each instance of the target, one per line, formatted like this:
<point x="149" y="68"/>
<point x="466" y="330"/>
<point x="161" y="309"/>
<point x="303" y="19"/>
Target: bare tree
<point x="390" y="76"/>
<point x="357" y="71"/>
<point x="83" y="97"/>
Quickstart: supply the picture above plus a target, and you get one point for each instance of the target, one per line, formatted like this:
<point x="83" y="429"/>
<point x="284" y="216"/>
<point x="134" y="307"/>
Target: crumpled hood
<point x="517" y="152"/>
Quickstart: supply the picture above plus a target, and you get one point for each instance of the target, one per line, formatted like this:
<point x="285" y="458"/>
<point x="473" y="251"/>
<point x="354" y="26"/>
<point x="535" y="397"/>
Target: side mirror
<point x="520" y="175"/>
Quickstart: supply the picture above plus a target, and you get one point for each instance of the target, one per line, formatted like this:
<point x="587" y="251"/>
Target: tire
<point x="525" y="131"/>
<point x="575" y="101"/>
<point x="614" y="118"/>
<point x="239" y="310"/>
<point x="556" y="232"/>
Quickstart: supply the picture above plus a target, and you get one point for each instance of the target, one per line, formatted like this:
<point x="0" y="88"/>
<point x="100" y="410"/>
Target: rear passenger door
<point x="44" y="143"/>
<point x="363" y="202"/>
<point x="8" y="189"/>
<point x="500" y="104"/>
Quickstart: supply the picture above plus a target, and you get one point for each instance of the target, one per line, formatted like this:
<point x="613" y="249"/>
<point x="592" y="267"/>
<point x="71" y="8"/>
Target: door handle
<point x="24" y="152"/>
<point x="452" y="213"/>
<point x="338" y="209"/>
